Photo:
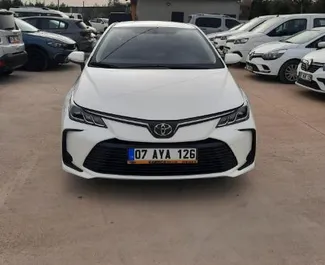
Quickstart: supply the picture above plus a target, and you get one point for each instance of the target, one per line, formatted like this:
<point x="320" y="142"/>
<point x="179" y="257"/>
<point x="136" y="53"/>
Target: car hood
<point x="52" y="36"/>
<point x="157" y="94"/>
<point x="274" y="46"/>
<point x="317" y="56"/>
<point x="223" y="34"/>
<point x="244" y="35"/>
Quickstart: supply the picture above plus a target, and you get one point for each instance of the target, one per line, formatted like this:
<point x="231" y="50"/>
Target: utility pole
<point x="58" y="4"/>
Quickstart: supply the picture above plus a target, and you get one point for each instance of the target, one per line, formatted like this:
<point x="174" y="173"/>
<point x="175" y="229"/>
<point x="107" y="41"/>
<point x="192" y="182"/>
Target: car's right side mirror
<point x="78" y="57"/>
<point x="321" y="45"/>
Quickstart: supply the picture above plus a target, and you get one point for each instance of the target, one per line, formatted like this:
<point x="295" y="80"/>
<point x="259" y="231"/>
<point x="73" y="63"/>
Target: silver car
<point x="72" y="28"/>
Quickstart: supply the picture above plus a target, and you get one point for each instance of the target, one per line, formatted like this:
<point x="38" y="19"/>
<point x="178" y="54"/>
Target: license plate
<point x="162" y="156"/>
<point x="14" y="39"/>
<point x="306" y="77"/>
<point x="249" y="68"/>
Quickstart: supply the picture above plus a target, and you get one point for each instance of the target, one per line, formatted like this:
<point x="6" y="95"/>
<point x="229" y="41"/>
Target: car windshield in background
<point x="251" y="23"/>
<point x="266" y="25"/>
<point x="303" y="37"/>
<point x="24" y="26"/>
<point x="159" y="47"/>
<point x="7" y="21"/>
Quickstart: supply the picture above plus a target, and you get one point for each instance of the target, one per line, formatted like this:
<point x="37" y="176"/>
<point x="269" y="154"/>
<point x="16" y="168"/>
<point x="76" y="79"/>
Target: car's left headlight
<point x="240" y="115"/>
<point x="78" y="114"/>
<point x="273" y="55"/>
<point x="241" y="41"/>
<point x="57" y="44"/>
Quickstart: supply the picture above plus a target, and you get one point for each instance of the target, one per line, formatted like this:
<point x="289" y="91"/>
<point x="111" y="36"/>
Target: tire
<point x="7" y="73"/>
<point x="288" y="72"/>
<point x="37" y="60"/>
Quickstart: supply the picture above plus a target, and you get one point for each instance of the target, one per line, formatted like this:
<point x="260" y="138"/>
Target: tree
<point x="259" y="8"/>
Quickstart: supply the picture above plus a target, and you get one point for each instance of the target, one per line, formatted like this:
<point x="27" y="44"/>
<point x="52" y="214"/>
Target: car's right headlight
<point x="78" y="114"/>
<point x="240" y="115"/>
<point x="241" y="41"/>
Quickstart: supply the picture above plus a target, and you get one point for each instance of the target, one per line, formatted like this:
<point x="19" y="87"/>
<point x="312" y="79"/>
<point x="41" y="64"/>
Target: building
<point x="179" y="10"/>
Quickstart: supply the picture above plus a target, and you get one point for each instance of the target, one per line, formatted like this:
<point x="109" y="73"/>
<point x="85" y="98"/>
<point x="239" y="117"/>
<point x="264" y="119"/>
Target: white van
<point x="274" y="29"/>
<point x="210" y="23"/>
<point x="12" y="48"/>
<point x="37" y="11"/>
<point x="219" y="39"/>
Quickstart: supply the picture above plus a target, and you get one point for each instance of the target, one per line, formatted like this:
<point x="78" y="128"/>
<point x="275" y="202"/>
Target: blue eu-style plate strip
<point x="131" y="154"/>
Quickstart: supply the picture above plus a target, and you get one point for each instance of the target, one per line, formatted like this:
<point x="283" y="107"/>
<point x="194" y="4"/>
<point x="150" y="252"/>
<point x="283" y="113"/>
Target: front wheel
<point x="37" y="60"/>
<point x="288" y="72"/>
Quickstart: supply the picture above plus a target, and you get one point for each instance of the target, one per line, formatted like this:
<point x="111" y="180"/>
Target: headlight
<point x="240" y="115"/>
<point x="78" y="114"/>
<point x="57" y="44"/>
<point x="241" y="41"/>
<point x="273" y="55"/>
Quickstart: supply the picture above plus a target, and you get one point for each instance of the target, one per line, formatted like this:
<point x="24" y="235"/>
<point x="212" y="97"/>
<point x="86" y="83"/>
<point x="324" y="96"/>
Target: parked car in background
<point x="220" y="39"/>
<point x="274" y="29"/>
<point x="93" y="30"/>
<point x="12" y="48"/>
<point x="119" y="17"/>
<point x="44" y="49"/>
<point x="75" y="15"/>
<point x="211" y="23"/>
<point x="100" y="24"/>
<point x="37" y="11"/>
<point x="72" y="28"/>
<point x="311" y="71"/>
<point x="282" y="58"/>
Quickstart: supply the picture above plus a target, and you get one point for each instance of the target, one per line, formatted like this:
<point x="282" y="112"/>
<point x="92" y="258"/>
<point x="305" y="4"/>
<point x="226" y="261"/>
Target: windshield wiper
<point x="103" y="65"/>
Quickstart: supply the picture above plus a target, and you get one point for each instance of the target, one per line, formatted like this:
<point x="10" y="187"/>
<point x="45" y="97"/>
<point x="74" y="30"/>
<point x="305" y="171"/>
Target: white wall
<point x="162" y="9"/>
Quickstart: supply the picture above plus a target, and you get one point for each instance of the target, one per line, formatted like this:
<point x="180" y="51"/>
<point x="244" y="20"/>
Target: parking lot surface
<point x="273" y="215"/>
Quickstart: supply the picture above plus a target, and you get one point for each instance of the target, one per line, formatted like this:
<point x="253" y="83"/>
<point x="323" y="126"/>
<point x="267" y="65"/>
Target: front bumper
<point x="260" y="66"/>
<point x="317" y="83"/>
<point x="94" y="152"/>
<point x="240" y="49"/>
<point x="61" y="57"/>
<point x="13" y="61"/>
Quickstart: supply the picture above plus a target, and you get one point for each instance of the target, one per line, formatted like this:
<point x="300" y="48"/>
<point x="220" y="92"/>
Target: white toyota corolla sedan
<point x="155" y="101"/>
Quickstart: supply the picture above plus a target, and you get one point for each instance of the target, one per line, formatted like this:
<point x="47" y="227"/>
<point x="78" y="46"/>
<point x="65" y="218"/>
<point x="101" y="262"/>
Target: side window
<point x="319" y="22"/>
<point x="32" y="21"/>
<point x="315" y="43"/>
<point x="208" y="22"/>
<point x="230" y="23"/>
<point x="53" y="24"/>
<point x="289" y="28"/>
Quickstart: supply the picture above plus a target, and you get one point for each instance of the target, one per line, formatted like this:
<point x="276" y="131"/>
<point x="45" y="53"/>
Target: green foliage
<point x="270" y="7"/>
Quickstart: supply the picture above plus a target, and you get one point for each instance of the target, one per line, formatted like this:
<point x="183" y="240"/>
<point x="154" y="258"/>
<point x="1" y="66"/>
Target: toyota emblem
<point x="163" y="129"/>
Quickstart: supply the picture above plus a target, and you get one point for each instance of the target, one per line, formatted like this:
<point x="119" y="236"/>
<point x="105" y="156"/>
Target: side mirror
<point x="77" y="57"/>
<point x="321" y="45"/>
<point x="232" y="58"/>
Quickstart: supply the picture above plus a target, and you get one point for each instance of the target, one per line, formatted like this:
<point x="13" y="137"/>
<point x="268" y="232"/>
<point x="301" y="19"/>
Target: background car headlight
<point x="240" y="115"/>
<point x="273" y="55"/>
<point x="78" y="114"/>
<point x="57" y="44"/>
<point x="241" y="41"/>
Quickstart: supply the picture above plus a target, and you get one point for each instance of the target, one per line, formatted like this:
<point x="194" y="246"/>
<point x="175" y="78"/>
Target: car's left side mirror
<point x="232" y="58"/>
<point x="321" y="45"/>
<point x="78" y="57"/>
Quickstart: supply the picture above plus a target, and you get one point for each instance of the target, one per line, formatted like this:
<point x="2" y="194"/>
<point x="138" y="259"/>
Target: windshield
<point x="155" y="47"/>
<point x="303" y="37"/>
<point x="25" y="27"/>
<point x="7" y="21"/>
<point x="236" y="27"/>
<point x="267" y="24"/>
<point x="252" y="24"/>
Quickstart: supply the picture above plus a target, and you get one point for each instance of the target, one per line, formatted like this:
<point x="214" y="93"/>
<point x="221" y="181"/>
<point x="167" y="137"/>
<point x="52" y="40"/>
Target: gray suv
<point x="72" y="28"/>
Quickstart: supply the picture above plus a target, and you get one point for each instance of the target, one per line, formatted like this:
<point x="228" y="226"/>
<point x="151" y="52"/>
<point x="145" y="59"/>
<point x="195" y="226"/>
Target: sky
<point x="78" y="2"/>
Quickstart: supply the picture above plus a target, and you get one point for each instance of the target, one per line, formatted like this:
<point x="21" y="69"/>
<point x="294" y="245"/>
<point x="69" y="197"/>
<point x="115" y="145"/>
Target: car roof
<point x="53" y="17"/>
<point x="318" y="29"/>
<point x="154" y="24"/>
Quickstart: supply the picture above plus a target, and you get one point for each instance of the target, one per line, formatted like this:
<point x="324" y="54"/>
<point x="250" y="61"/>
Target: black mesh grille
<point x="255" y="69"/>
<point x="311" y="84"/>
<point x="312" y="69"/>
<point x="110" y="157"/>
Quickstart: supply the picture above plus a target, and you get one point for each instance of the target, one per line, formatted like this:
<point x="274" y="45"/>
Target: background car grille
<point x="312" y="69"/>
<point x="110" y="157"/>
<point x="311" y="84"/>
<point x="70" y="47"/>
